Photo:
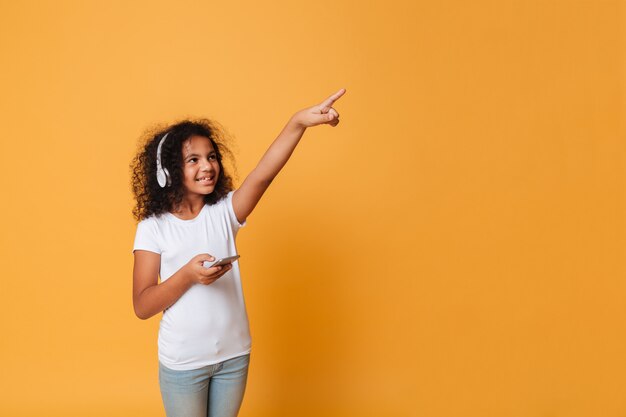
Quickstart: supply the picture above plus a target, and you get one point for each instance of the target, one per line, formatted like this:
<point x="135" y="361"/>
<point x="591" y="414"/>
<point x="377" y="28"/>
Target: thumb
<point x="206" y="257"/>
<point x="323" y="118"/>
<point x="330" y="116"/>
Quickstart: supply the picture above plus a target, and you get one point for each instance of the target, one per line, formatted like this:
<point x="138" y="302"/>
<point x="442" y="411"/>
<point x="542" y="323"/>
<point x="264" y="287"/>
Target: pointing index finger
<point x="326" y="104"/>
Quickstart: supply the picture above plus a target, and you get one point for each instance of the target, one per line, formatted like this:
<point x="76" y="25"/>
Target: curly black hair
<point x="150" y="198"/>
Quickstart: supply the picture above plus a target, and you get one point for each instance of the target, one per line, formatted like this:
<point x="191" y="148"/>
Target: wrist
<point x="185" y="275"/>
<point x="296" y="122"/>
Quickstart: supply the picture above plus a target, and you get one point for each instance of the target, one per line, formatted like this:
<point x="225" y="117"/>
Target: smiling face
<point x="201" y="168"/>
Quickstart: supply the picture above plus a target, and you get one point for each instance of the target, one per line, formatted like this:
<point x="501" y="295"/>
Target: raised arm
<point x="246" y="197"/>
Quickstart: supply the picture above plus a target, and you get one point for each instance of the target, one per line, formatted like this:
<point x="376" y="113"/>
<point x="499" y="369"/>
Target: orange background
<point x="455" y="247"/>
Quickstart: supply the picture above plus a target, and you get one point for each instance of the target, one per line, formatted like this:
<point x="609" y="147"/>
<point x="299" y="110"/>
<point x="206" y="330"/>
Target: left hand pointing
<point x="322" y="113"/>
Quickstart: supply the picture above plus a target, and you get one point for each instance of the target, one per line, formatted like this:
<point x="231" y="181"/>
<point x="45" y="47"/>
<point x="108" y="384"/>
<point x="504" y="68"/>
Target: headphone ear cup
<point x="167" y="176"/>
<point x="161" y="178"/>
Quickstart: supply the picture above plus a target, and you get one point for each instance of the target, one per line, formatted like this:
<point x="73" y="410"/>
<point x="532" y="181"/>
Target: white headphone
<point x="163" y="177"/>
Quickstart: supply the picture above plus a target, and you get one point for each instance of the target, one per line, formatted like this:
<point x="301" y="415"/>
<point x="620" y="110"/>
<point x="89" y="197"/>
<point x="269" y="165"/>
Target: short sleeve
<point x="146" y="236"/>
<point x="231" y="213"/>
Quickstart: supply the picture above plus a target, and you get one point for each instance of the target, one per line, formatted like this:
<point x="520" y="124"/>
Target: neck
<point x="190" y="206"/>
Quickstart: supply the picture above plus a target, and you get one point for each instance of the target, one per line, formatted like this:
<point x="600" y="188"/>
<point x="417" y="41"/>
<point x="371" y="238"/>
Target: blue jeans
<point x="211" y="391"/>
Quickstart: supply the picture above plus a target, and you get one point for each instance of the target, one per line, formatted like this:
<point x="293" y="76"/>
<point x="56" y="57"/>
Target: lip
<point x="205" y="182"/>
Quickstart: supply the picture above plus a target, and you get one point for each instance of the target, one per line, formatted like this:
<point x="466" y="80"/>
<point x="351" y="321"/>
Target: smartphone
<point x="220" y="261"/>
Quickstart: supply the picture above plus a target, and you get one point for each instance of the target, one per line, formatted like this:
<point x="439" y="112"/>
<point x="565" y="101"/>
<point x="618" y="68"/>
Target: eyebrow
<point x="195" y="154"/>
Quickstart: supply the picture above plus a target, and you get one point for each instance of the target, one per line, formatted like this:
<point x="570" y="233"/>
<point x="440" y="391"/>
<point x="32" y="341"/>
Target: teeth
<point x="204" y="178"/>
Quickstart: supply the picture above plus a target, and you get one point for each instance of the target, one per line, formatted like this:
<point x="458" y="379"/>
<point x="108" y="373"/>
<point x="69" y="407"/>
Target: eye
<point x="192" y="159"/>
<point x="213" y="157"/>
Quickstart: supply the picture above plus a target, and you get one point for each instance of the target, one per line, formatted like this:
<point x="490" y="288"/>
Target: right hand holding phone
<point x="198" y="274"/>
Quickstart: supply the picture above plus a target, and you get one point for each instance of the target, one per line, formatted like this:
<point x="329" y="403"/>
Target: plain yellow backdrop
<point x="455" y="247"/>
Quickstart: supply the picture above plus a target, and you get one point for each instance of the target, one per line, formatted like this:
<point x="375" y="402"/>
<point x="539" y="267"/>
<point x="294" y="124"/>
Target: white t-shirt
<point x="209" y="323"/>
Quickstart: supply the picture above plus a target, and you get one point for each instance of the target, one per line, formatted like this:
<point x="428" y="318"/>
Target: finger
<point x="327" y="104"/>
<point x="210" y="279"/>
<point x="205" y="257"/>
<point x="332" y="117"/>
<point x="209" y="272"/>
<point x="223" y="269"/>
<point x="221" y="273"/>
<point x="318" y="119"/>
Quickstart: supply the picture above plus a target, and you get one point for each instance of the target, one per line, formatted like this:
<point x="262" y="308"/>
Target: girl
<point x="189" y="216"/>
